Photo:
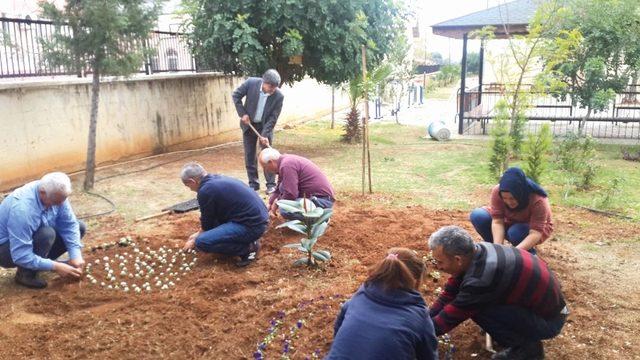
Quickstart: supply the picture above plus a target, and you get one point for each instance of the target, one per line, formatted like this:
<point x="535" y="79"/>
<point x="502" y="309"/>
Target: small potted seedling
<point x="314" y="224"/>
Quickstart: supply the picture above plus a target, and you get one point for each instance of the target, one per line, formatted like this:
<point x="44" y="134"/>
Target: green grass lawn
<point x="446" y="175"/>
<point x="440" y="93"/>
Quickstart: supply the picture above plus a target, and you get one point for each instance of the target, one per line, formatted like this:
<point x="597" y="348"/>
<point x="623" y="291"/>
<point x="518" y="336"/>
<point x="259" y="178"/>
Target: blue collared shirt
<point x="261" y="103"/>
<point x="22" y="214"/>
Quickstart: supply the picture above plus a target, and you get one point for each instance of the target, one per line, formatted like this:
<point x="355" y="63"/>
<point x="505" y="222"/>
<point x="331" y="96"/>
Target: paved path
<point x="424" y="114"/>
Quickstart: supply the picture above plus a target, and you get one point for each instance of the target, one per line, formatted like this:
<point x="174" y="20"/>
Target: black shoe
<point x="531" y="351"/>
<point x="527" y="351"/>
<point x="30" y="279"/>
<point x="270" y="190"/>
<point x="250" y="257"/>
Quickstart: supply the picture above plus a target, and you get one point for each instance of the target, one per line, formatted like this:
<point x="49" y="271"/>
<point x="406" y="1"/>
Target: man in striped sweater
<point x="508" y="292"/>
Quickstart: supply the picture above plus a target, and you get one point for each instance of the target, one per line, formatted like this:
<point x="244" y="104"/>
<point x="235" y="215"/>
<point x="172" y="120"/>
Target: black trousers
<point x="250" y="140"/>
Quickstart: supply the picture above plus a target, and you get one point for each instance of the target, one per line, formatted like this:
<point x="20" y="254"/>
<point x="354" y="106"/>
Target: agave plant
<point x="313" y="225"/>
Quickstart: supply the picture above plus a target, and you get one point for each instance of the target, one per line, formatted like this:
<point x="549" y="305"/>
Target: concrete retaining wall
<point x="44" y="125"/>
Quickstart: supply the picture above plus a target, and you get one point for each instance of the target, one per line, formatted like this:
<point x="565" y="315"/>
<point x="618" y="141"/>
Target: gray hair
<point x="56" y="183"/>
<point x="269" y="154"/>
<point x="272" y="77"/>
<point x="454" y="241"/>
<point x="192" y="170"/>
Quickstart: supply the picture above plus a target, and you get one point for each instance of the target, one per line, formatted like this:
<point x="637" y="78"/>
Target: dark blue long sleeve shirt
<point x="223" y="199"/>
<point x="378" y="325"/>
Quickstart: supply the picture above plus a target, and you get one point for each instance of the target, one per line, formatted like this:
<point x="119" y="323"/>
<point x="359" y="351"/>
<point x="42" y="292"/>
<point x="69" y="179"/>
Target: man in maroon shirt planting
<point x="298" y="178"/>
<point x="508" y="292"/>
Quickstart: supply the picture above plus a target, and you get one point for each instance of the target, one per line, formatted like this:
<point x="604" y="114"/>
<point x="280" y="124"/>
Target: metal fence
<point x="22" y="54"/>
<point x="621" y="120"/>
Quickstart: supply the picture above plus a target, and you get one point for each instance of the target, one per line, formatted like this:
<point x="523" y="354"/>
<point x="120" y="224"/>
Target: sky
<point x="170" y="6"/>
<point x="429" y="12"/>
<point x="432" y="12"/>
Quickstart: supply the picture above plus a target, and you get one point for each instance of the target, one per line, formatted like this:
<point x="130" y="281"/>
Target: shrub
<point x="614" y="189"/>
<point x="501" y="142"/>
<point x="537" y="148"/>
<point x="517" y="133"/>
<point x="576" y="155"/>
<point x="448" y="74"/>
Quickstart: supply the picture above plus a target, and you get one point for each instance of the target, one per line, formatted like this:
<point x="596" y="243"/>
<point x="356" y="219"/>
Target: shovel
<point x="179" y="208"/>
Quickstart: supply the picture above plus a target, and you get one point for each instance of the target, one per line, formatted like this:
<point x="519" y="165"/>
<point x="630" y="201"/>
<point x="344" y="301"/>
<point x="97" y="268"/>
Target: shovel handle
<point x="153" y="216"/>
<point x="256" y="132"/>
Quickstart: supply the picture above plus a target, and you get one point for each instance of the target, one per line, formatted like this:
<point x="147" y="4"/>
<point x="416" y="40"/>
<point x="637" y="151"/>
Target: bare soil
<point x="219" y="311"/>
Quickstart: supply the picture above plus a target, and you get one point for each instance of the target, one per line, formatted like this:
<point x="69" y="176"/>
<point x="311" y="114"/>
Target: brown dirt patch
<point x="219" y="311"/>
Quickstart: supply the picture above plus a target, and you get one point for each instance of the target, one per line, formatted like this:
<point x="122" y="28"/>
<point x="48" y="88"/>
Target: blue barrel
<point x="438" y="131"/>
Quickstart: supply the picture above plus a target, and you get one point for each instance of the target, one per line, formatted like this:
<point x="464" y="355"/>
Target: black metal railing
<point x="620" y="120"/>
<point x="22" y="54"/>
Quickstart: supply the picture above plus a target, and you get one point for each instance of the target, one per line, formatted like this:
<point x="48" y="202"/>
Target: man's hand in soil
<point x="245" y="119"/>
<point x="66" y="270"/>
<point x="273" y="210"/>
<point x="191" y="242"/>
<point x="264" y="141"/>
<point x="77" y="263"/>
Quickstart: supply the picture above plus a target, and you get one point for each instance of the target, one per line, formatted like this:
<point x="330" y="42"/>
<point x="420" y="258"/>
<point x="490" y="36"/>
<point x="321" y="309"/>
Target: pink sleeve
<point x="540" y="212"/>
<point x="496" y="205"/>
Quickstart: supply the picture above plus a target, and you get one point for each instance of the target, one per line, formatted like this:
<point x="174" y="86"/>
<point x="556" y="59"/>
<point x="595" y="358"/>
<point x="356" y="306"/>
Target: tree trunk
<point x="91" y="147"/>
<point x="333" y="108"/>
<point x="364" y="121"/>
<point x="632" y="98"/>
<point x="583" y="121"/>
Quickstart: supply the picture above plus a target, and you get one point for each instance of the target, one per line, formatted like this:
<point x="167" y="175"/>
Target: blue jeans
<point x="512" y="325"/>
<point x="47" y="244"/>
<point x="515" y="233"/>
<point x="323" y="202"/>
<point x="230" y="239"/>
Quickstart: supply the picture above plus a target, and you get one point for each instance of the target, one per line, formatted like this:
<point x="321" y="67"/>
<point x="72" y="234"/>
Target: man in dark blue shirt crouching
<point x="232" y="215"/>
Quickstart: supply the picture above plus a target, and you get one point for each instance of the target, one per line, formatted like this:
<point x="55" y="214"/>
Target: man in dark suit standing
<point x="261" y="108"/>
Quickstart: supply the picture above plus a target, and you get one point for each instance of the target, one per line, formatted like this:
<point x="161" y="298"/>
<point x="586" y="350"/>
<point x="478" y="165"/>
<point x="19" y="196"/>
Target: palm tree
<point x="357" y="88"/>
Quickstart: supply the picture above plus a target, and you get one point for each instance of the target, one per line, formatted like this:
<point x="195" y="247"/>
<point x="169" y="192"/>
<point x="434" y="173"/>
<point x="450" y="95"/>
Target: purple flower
<point x="262" y="346"/>
<point x="285" y="347"/>
<point x="299" y="324"/>
<point x="281" y="314"/>
<point x="257" y="355"/>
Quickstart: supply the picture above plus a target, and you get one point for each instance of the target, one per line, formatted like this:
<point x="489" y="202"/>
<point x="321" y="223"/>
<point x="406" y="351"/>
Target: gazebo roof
<point x="515" y="15"/>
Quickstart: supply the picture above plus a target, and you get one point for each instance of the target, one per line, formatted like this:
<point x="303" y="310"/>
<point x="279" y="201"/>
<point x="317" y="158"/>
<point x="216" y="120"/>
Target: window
<point x="172" y="60"/>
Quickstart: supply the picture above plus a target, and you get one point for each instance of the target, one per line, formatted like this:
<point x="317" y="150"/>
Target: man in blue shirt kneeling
<point x="232" y="216"/>
<point x="37" y="225"/>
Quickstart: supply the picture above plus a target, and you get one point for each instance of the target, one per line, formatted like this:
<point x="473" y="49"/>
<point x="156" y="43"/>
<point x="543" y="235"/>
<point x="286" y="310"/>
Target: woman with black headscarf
<point x="519" y="212"/>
